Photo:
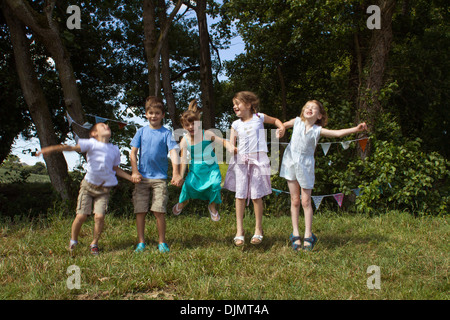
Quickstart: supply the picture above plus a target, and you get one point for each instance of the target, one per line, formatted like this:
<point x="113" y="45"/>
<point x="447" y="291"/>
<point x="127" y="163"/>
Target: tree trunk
<point x="37" y="104"/>
<point x="165" y="74"/>
<point x="47" y="31"/>
<point x="206" y="78"/>
<point x="153" y="43"/>
<point x="369" y="105"/>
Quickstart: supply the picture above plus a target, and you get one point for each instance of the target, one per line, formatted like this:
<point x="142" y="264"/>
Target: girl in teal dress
<point x="203" y="179"/>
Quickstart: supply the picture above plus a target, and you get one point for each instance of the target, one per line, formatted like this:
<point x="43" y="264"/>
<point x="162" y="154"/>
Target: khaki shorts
<point x="91" y="194"/>
<point x="141" y="195"/>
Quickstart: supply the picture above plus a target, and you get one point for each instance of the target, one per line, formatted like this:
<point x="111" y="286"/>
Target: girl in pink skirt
<point x="249" y="170"/>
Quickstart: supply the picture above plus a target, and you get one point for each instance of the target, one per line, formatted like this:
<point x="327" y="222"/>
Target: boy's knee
<point x="81" y="217"/>
<point x="99" y="217"/>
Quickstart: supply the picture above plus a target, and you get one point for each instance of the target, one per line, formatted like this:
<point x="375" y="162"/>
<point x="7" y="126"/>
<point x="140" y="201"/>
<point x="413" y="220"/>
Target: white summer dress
<point x="298" y="158"/>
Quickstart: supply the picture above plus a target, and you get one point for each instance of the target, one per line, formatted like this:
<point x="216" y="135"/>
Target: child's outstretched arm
<point x="289" y="124"/>
<point x="227" y="144"/>
<point x="184" y="159"/>
<point x="58" y="148"/>
<point x="281" y="129"/>
<point x="343" y="132"/>
<point x="122" y="174"/>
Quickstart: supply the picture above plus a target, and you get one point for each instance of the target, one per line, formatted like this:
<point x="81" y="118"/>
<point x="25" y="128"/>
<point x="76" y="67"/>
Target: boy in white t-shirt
<point x="103" y="160"/>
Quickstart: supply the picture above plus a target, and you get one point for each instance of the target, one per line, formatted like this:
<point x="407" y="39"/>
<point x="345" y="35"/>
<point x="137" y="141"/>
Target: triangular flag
<point x="345" y="144"/>
<point x="363" y="143"/>
<point x="325" y="147"/>
<point x="339" y="197"/>
<point x="122" y="125"/>
<point x="317" y="200"/>
<point x="87" y="125"/>
<point x="357" y="191"/>
<point x="69" y="119"/>
<point x="99" y="119"/>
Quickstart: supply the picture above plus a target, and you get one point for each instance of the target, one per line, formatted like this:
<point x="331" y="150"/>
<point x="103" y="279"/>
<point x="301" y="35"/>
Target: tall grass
<point x="203" y="263"/>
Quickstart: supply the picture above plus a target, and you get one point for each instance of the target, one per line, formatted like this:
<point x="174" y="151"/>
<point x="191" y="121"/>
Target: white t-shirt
<point x="101" y="158"/>
<point x="251" y="134"/>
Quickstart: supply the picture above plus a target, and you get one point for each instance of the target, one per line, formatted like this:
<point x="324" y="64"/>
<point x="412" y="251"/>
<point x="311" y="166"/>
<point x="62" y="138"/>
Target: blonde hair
<point x="191" y="114"/>
<point x="248" y="97"/>
<point x="322" y="121"/>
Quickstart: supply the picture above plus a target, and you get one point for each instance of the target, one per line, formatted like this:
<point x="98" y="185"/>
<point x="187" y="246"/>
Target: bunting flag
<point x="325" y="147"/>
<point x="99" y="119"/>
<point x="345" y="144"/>
<point x="317" y="200"/>
<point x="122" y="125"/>
<point x="339" y="197"/>
<point x="363" y="143"/>
<point x="357" y="191"/>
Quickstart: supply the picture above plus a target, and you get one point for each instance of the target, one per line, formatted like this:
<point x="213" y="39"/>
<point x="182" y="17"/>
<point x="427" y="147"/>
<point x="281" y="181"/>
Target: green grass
<point x="412" y="254"/>
<point x="8" y="176"/>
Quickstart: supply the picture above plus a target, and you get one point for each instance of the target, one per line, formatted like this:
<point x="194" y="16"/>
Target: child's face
<point x="154" y="117"/>
<point x="241" y="108"/>
<point x="311" y="111"/>
<point x="102" y="130"/>
<point x="192" y="127"/>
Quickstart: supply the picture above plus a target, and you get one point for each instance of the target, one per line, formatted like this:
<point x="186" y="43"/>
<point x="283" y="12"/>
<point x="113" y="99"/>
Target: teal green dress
<point x="203" y="179"/>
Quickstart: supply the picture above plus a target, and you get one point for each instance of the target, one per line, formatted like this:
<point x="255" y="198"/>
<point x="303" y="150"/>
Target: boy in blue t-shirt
<point x="153" y="143"/>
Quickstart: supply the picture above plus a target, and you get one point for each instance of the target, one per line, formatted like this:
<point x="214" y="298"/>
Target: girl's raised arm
<point x="343" y="132"/>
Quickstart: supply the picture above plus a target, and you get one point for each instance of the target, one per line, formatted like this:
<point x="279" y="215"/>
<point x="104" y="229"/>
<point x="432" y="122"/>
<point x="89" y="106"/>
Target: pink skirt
<point x="249" y="176"/>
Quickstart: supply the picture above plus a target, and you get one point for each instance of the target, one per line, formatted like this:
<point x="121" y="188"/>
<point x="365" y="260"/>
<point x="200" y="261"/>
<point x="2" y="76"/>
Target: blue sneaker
<point x="140" y="247"/>
<point x="162" y="247"/>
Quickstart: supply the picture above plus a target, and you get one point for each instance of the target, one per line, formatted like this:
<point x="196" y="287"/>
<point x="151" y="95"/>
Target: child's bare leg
<point x="294" y="190"/>
<point x="76" y="226"/>
<point x="140" y="226"/>
<point x="258" y="207"/>
<point x="161" y="225"/>
<point x="99" y="220"/>
<point x="240" y="207"/>
<point x="308" y="212"/>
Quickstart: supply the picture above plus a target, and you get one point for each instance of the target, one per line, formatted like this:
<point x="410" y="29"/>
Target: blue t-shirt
<point x="154" y="146"/>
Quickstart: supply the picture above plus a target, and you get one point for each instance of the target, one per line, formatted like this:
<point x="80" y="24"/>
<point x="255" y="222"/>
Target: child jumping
<point x="153" y="143"/>
<point x="248" y="174"/>
<point x="204" y="178"/>
<point x="297" y="166"/>
<point x="103" y="160"/>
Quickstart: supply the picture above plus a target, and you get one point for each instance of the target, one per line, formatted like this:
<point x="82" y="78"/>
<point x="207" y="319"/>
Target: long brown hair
<point x="248" y="97"/>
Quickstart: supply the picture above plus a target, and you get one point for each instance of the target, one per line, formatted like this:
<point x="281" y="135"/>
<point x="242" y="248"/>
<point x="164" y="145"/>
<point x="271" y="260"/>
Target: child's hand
<point x="136" y="177"/>
<point x="280" y="132"/>
<point x="361" y="127"/>
<point x="232" y="150"/>
<point x="177" y="180"/>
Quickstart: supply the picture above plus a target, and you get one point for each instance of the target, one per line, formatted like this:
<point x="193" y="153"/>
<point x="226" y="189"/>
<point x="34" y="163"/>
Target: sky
<point x="21" y="146"/>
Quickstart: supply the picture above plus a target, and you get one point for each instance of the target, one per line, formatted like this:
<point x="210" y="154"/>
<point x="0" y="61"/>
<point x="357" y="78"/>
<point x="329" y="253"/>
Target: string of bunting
<point x="345" y="144"/>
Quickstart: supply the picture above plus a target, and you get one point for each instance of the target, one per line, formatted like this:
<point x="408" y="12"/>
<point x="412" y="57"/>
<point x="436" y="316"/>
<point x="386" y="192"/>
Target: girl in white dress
<point x="297" y="166"/>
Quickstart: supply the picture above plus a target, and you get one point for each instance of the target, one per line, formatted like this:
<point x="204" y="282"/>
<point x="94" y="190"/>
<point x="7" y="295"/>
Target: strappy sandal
<point x="94" y="249"/>
<point x="312" y="241"/>
<point x="256" y="239"/>
<point x="214" y="216"/>
<point x="295" y="246"/>
<point x="238" y="238"/>
<point x="175" y="210"/>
